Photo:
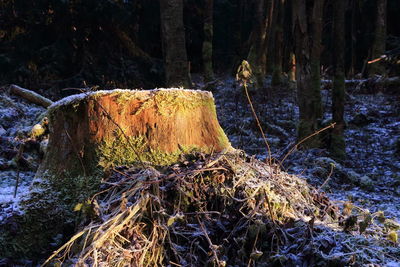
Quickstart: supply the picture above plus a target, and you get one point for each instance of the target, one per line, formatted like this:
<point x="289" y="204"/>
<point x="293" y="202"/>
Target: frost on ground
<point x="369" y="177"/>
<point x="16" y="120"/>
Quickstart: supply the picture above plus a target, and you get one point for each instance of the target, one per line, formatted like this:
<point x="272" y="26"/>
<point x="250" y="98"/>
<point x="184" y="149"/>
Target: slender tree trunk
<point x="278" y="46"/>
<point x="289" y="59"/>
<point x="379" y="44"/>
<point x="270" y="41"/>
<point x="287" y="35"/>
<point x="307" y="27"/>
<point x="337" y="145"/>
<point x="238" y="36"/>
<point x="353" y="54"/>
<point x="207" y="42"/>
<point x="174" y="46"/>
<point x="257" y="51"/>
<point x="292" y="71"/>
<point x="315" y="59"/>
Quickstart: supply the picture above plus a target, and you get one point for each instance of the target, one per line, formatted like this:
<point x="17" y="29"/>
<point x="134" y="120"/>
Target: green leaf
<point x="171" y="220"/>
<point x="78" y="207"/>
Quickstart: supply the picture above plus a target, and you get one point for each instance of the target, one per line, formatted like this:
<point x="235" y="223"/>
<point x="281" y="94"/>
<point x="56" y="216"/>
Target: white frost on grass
<point x="7" y="187"/>
<point x="7" y="193"/>
<point x="8" y="203"/>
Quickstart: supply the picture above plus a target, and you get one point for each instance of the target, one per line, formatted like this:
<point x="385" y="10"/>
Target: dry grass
<point x="226" y="209"/>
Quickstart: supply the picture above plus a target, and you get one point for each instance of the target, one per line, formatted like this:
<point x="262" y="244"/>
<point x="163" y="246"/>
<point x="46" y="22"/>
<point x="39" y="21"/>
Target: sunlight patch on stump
<point x="108" y="128"/>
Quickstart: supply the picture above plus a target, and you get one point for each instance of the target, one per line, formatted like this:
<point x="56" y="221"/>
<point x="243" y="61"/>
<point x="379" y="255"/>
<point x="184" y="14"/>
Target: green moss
<point x="122" y="98"/>
<point x="75" y="106"/>
<point x="223" y="140"/>
<point x="124" y="150"/>
<point x="168" y="102"/>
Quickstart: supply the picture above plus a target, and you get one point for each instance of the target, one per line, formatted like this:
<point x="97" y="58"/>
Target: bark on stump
<point x="97" y="130"/>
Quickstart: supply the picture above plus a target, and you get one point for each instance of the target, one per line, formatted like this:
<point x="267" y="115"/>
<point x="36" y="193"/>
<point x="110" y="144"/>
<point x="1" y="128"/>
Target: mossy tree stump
<point x="100" y="129"/>
<point x="94" y="131"/>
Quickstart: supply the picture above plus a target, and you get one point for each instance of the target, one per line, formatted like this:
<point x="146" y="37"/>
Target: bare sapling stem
<point x="244" y="74"/>
<point x="258" y="124"/>
<point x="305" y="139"/>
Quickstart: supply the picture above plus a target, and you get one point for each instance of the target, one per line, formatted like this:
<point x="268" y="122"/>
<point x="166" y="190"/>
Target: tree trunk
<point x="353" y="32"/>
<point x="292" y="71"/>
<point x="278" y="46"/>
<point x="307" y="27"/>
<point x="269" y="45"/>
<point x="174" y="46"/>
<point x="288" y="45"/>
<point x="102" y="129"/>
<point x="379" y="44"/>
<point x="337" y="145"/>
<point x="240" y="40"/>
<point x="208" y="40"/>
<point x="258" y="36"/>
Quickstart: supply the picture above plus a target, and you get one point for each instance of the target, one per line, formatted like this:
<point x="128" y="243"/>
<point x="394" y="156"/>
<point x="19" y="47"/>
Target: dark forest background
<point x="53" y="44"/>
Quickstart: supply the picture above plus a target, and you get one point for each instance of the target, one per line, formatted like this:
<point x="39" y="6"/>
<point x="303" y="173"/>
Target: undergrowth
<point x="221" y="210"/>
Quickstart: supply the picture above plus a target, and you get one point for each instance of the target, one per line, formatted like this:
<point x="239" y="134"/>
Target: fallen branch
<point x="30" y="96"/>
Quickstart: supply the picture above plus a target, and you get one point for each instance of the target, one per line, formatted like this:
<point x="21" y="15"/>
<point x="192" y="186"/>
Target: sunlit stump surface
<point x="101" y="129"/>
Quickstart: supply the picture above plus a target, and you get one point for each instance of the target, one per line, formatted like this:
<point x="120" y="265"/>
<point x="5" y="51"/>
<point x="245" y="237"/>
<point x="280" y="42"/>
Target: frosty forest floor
<point x="220" y="210"/>
<point x="370" y="177"/>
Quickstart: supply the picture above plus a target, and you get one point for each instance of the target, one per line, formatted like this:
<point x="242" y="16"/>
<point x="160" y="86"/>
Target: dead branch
<point x="30" y="96"/>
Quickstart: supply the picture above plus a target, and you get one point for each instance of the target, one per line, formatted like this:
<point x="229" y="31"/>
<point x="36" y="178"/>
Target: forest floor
<point x="16" y="120"/>
<point x="369" y="177"/>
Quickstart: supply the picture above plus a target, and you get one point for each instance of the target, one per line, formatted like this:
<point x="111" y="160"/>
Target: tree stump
<point x="94" y="131"/>
<point x="102" y="129"/>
